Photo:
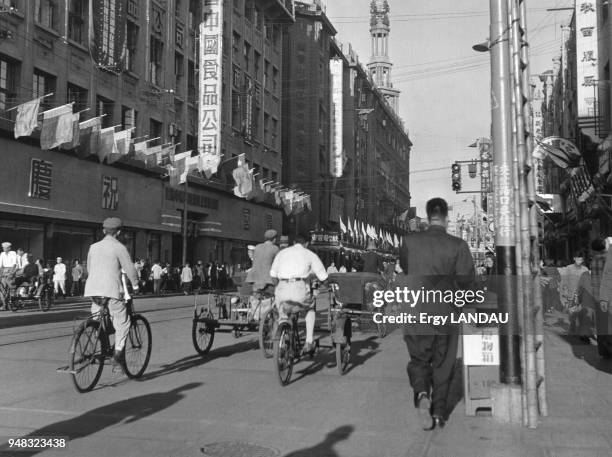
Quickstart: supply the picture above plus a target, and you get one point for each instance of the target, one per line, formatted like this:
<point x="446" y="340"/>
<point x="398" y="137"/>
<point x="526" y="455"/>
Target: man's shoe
<point x="118" y="362"/>
<point x="308" y="348"/>
<point x="438" y="421"/>
<point x="423" y="404"/>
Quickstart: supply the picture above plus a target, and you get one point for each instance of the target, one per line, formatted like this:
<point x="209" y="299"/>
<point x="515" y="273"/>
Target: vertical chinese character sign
<point x="586" y="56"/>
<point x="337" y="159"/>
<point x="210" y="78"/>
<point x="40" y="179"/>
<point x="110" y="193"/>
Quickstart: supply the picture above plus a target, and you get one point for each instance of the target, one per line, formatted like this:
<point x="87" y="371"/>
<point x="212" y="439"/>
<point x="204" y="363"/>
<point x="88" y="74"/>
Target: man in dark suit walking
<point x="439" y="262"/>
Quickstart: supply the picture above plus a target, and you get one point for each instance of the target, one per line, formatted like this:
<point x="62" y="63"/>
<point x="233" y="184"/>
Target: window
<point x="256" y="65"/>
<point x="129" y="119"/>
<point x="266" y="74"/>
<point x="192" y="143"/>
<point x="77" y="20"/>
<point x="257" y="18"/>
<point x="177" y="8"/>
<point x="8" y="3"/>
<point x="195" y="13"/>
<point x="46" y="13"/>
<point x="191" y="82"/>
<point x="256" y="116"/>
<point x="155" y="64"/>
<point x="274" y="133"/>
<point x="266" y="128"/>
<point x="268" y="29"/>
<point x="8" y="80"/>
<point x="179" y="72"/>
<point x="236" y="45"/>
<point x="236" y="105"/>
<point x="131" y="45"/>
<point x="248" y="10"/>
<point x="105" y="107"/>
<point x="155" y="131"/>
<point x="275" y="176"/>
<point x="274" y="79"/>
<point x="42" y="84"/>
<point x="236" y="77"/>
<point x="78" y="95"/>
<point x="247" y="56"/>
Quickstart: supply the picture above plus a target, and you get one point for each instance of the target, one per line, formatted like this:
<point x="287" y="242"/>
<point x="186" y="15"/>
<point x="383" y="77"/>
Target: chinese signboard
<point x="246" y="218"/>
<point x="327" y="238"/>
<point x="110" y="193"/>
<point x="40" y="179"/>
<point x="108" y="38"/>
<point x="211" y="54"/>
<point x="586" y="52"/>
<point x="504" y="206"/>
<point x="337" y="158"/>
<point x="481" y="349"/>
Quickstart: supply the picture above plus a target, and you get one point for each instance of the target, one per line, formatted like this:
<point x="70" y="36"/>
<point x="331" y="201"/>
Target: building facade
<point x="150" y="85"/>
<point x="370" y="181"/>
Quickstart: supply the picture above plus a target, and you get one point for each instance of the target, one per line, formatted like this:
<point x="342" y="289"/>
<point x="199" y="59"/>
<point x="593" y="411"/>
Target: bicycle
<point x="266" y="329"/>
<point x="287" y="345"/>
<point x="27" y="294"/>
<point x="91" y="347"/>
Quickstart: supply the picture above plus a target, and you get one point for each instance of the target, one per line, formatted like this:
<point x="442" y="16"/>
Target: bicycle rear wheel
<point x="137" y="347"/>
<point x="46" y="299"/>
<point x="202" y="334"/>
<point x="86" y="358"/>
<point x="266" y="326"/>
<point x="283" y="354"/>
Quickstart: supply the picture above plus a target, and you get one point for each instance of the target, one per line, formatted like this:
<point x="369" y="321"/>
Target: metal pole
<point x="505" y="239"/>
<point x="185" y="222"/>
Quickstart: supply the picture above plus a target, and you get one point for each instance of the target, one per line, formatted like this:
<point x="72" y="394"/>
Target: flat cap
<point x="270" y="234"/>
<point x="112" y="223"/>
<point x="6" y="244"/>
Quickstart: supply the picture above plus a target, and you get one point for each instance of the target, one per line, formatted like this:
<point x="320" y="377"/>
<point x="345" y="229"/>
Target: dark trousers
<point x="432" y="361"/>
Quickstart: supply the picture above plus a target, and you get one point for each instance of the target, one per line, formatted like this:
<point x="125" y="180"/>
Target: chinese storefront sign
<point x="246" y="218"/>
<point x="211" y="54"/>
<point x="504" y="206"/>
<point x="586" y="52"/>
<point x="337" y="158"/>
<point x="40" y="179"/>
<point x="110" y="193"/>
<point x="482" y="349"/>
<point x="329" y="238"/>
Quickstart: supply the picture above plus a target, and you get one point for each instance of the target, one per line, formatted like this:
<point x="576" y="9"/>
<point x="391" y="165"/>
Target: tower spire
<point x="380" y="64"/>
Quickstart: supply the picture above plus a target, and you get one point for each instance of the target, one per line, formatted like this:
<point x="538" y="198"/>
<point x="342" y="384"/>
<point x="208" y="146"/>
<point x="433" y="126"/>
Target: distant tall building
<point x="380" y="64"/>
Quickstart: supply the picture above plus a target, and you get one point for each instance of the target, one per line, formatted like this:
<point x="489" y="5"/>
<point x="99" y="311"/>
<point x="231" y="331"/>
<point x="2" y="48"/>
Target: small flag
<point x="75" y="133"/>
<point x="89" y="133"/>
<point x="27" y="118"/>
<point x="342" y="226"/>
<point x="106" y="144"/>
<point x="56" y="127"/>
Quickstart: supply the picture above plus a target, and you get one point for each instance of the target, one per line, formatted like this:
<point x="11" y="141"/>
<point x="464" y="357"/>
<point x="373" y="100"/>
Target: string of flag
<point x="360" y="233"/>
<point x="62" y="128"/>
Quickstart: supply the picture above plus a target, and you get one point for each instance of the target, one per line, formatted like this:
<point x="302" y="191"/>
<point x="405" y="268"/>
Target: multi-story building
<point x="139" y="72"/>
<point x="373" y="183"/>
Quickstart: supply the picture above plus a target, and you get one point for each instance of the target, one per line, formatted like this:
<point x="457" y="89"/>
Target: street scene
<point x="315" y="228"/>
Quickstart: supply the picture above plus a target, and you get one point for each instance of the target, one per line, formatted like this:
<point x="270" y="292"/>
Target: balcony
<point x="279" y="10"/>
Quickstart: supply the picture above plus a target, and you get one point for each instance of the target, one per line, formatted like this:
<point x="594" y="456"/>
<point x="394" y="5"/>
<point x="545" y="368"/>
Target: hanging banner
<point x="107" y="33"/>
<point x="337" y="158"/>
<point x="586" y="57"/>
<point x="210" y="79"/>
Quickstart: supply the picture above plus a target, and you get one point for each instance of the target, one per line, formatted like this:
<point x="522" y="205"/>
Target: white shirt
<point x="332" y="269"/>
<point x="22" y="261"/>
<point x="297" y="262"/>
<point x="59" y="272"/>
<point x="156" y="271"/>
<point x="8" y="259"/>
<point x="342" y="269"/>
<point x="186" y="275"/>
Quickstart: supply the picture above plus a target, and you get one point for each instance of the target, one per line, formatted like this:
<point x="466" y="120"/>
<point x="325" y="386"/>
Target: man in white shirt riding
<point x="293" y="267"/>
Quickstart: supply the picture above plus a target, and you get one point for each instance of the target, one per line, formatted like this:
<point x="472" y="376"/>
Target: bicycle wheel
<point x="137" y="347"/>
<point x="86" y="358"/>
<point x="266" y="327"/>
<point x="283" y="354"/>
<point x="202" y="335"/>
<point x="46" y="299"/>
<point x="343" y="356"/>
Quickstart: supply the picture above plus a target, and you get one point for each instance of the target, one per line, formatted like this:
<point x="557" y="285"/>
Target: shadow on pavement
<point x="588" y="353"/>
<point x="363" y="350"/>
<point x="124" y="411"/>
<point x="326" y="447"/>
<point x="195" y="360"/>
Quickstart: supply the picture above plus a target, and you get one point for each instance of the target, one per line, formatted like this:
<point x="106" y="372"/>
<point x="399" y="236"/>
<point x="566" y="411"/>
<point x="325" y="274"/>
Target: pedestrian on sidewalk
<point x="603" y="297"/>
<point x="436" y="261"/>
<point x="186" y="279"/>
<point x="156" y="277"/>
<point x="570" y="276"/>
<point x="59" y="277"/>
<point x="77" y="274"/>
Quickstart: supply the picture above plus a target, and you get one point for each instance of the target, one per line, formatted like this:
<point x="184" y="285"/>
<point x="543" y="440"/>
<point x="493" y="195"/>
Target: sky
<point x="445" y="85"/>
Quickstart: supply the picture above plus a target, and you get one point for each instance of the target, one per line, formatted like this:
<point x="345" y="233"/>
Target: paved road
<point x="229" y="403"/>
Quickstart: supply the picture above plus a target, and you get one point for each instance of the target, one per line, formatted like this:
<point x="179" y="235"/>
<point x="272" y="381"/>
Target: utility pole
<point x="504" y="202"/>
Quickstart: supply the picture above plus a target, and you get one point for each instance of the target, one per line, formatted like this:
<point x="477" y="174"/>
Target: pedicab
<point x="240" y="311"/>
